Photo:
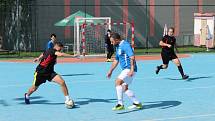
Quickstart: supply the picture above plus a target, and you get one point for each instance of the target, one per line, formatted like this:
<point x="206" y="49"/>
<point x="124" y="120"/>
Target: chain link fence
<point x="26" y="25"/>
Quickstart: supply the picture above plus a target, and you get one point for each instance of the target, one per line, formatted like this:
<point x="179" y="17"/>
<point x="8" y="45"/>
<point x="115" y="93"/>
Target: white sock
<point x="67" y="98"/>
<point x="132" y="97"/>
<point x="119" y="93"/>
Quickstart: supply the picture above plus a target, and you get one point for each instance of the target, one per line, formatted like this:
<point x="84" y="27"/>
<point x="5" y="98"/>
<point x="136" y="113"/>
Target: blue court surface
<point x="165" y="96"/>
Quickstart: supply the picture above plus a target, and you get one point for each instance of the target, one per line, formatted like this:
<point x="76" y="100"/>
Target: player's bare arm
<point x="38" y="59"/>
<point x="60" y="54"/>
<point x="113" y="66"/>
<point x="132" y="59"/>
<point x="162" y="44"/>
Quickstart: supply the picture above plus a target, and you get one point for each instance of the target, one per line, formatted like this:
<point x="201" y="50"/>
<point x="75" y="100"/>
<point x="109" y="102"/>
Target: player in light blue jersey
<point x="124" y="56"/>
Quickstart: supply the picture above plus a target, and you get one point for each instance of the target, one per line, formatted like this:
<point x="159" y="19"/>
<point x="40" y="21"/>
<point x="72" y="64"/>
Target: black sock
<point x="181" y="70"/>
<point x="160" y="67"/>
<point x="108" y="55"/>
<point x="111" y="53"/>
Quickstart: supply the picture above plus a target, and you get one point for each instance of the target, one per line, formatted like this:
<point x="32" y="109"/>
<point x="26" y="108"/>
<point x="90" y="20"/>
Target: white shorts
<point x="124" y="76"/>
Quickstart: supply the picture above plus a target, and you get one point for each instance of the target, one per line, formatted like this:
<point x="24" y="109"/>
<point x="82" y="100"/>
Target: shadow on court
<point x="157" y="104"/>
<point x="4" y="103"/>
<point x="35" y="97"/>
<point x="196" y="78"/>
<point x="92" y="100"/>
<point x="85" y="74"/>
<point x="37" y="100"/>
<point x="190" y="79"/>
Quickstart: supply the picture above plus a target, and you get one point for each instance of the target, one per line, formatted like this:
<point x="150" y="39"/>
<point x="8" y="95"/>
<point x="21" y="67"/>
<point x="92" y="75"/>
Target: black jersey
<point x="107" y="40"/>
<point x="47" y="63"/>
<point x="168" y="40"/>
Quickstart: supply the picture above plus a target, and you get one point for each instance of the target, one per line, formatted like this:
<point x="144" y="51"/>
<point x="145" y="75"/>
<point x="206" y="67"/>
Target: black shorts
<point x="40" y="78"/>
<point x="166" y="57"/>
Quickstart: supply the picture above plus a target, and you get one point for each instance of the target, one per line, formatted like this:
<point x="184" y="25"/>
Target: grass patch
<point x="24" y="55"/>
<point x="181" y="50"/>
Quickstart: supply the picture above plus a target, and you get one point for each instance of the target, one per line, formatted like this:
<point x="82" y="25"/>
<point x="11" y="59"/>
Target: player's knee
<point x="118" y="82"/>
<point x="165" y="66"/>
<point x="178" y="64"/>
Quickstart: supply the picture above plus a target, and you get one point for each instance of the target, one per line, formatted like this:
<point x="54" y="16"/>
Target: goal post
<point x="90" y="34"/>
<point x="79" y="24"/>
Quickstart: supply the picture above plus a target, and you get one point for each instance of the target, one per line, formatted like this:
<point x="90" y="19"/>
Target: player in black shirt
<point x="45" y="71"/>
<point x="109" y="46"/>
<point x="168" y="44"/>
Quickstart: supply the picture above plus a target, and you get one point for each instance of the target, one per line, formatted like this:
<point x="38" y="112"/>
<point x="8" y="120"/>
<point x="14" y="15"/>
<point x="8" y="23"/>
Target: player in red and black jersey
<point x="168" y="44"/>
<point x="45" y="71"/>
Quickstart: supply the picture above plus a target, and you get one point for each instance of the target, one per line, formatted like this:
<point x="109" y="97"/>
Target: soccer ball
<point x="69" y="104"/>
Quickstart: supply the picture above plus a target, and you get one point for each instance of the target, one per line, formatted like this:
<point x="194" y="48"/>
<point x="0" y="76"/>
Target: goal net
<point x="90" y="35"/>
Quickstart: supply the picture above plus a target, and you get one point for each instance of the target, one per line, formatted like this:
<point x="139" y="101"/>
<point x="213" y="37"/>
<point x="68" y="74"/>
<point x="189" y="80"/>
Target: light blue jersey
<point x="123" y="53"/>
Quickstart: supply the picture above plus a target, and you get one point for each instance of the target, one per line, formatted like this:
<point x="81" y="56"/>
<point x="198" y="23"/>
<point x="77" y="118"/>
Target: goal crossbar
<point x="78" y="22"/>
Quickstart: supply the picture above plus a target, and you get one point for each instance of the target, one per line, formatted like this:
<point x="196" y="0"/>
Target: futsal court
<point x="165" y="97"/>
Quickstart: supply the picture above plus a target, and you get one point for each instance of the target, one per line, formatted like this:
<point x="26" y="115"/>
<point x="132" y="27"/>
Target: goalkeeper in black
<point x="109" y="46"/>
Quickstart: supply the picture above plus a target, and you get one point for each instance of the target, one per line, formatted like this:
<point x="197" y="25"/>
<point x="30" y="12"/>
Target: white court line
<point x="112" y="79"/>
<point x="182" y="117"/>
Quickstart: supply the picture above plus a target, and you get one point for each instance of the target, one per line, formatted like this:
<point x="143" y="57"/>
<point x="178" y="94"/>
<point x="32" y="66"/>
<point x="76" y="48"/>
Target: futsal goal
<point x="89" y="39"/>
